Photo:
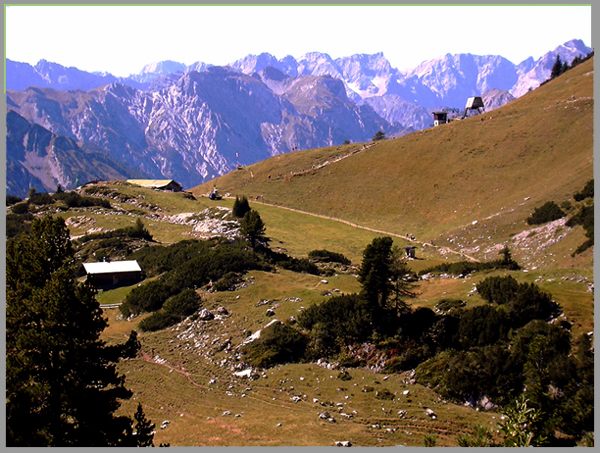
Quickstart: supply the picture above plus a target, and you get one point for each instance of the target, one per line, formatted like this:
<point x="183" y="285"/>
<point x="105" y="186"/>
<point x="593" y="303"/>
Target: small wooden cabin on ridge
<point x="162" y="184"/>
<point x="109" y="274"/>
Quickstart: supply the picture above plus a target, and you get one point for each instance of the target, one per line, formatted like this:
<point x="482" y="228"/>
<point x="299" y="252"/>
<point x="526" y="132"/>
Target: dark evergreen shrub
<point x="20" y="208"/>
<point x="278" y="343"/>
<point x="183" y="304"/>
<point x="74" y="200"/>
<point x="147" y="297"/>
<point x="157" y="321"/>
<point x="498" y="290"/>
<point x="12" y="199"/>
<point x="379" y="135"/>
<point x="384" y="394"/>
<point x="40" y="198"/>
<point x="548" y="212"/>
<point x="531" y="303"/>
<point x="340" y="320"/>
<point x="585" y="218"/>
<point x="227" y="282"/>
<point x="586" y="192"/>
<point x="326" y="256"/>
<point x="240" y="206"/>
<point x="449" y="305"/>
<point x="482" y="325"/>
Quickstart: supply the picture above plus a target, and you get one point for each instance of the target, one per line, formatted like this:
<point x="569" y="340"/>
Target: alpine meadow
<point x="308" y="251"/>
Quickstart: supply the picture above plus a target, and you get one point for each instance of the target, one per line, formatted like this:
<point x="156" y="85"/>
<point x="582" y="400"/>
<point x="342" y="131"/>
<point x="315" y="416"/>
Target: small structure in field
<point x="110" y="274"/>
<point x="474" y="103"/>
<point x="161" y="184"/>
<point x="410" y="251"/>
<point x="214" y="194"/>
<point x="439" y="118"/>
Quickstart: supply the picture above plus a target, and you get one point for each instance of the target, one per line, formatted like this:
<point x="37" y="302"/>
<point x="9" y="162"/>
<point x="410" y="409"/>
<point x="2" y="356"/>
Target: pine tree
<point x="240" y="207"/>
<point x="62" y="388"/>
<point x="379" y="135"/>
<point x="375" y="271"/>
<point x="252" y="228"/>
<point x="144" y="429"/>
<point x="557" y="68"/>
<point x="400" y="289"/>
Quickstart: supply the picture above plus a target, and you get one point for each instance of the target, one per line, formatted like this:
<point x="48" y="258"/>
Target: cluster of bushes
<point x="199" y="269"/>
<point x="137" y="231"/>
<point x="71" y="199"/>
<point x="537" y="357"/>
<point x="12" y="199"/>
<point x="107" y="192"/>
<point x="174" y="310"/>
<point x="40" y="198"/>
<point x="158" y="259"/>
<point x="495" y="350"/>
<point x="547" y="212"/>
<point x="74" y="200"/>
<point x="550" y="211"/>
<point x="585" y="218"/>
<point x="289" y="262"/>
<point x="337" y="322"/>
<point x="559" y="67"/>
<point x="467" y="267"/>
<point x="326" y="256"/>
<point x="521" y="301"/>
<point x="18" y="222"/>
<point x="278" y="343"/>
<point x="586" y="192"/>
<point x="447" y="306"/>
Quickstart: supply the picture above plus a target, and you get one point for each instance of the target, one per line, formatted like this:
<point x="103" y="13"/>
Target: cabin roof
<point x="112" y="267"/>
<point x="152" y="183"/>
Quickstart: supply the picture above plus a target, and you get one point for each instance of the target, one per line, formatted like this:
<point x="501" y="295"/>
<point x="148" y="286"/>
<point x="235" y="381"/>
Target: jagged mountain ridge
<point x="202" y="125"/>
<point x="168" y="121"/>
<point x="40" y="159"/>
<point x="364" y="75"/>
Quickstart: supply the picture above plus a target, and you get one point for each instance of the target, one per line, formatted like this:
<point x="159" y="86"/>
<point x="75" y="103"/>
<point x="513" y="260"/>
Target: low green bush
<point x="548" y="212"/>
<point x="326" y="256"/>
<point x="20" y="208"/>
<point x="40" y="198"/>
<point x="337" y="321"/>
<point x="344" y="375"/>
<point x="585" y="218"/>
<point x="299" y="265"/>
<point x="446" y="306"/>
<point x="18" y="223"/>
<point x="586" y="192"/>
<point x="384" y="394"/>
<point x="498" y="290"/>
<point x="137" y="231"/>
<point x="278" y="343"/>
<point x="157" y="321"/>
<point x="228" y="281"/>
<point x="12" y="199"/>
<point x="175" y="309"/>
<point x="74" y="200"/>
<point x="147" y="297"/>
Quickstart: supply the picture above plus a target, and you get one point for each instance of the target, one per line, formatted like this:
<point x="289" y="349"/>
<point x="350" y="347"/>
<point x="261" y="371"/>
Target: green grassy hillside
<point x="492" y="168"/>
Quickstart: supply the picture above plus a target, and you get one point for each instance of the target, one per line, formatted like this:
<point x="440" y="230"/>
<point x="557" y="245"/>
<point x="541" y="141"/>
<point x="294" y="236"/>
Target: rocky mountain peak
<point x="163" y="67"/>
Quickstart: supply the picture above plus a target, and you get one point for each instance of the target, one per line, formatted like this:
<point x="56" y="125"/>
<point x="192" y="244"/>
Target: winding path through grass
<point x="442" y="249"/>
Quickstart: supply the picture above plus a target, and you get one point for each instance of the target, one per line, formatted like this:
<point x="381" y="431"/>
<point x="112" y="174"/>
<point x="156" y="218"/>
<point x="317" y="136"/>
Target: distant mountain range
<point x="195" y="122"/>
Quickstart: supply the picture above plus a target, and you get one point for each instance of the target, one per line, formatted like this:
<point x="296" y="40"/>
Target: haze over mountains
<point x="195" y="122"/>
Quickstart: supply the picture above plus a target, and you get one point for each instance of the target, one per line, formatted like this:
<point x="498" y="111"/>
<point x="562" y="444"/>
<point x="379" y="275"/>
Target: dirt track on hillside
<point x="442" y="249"/>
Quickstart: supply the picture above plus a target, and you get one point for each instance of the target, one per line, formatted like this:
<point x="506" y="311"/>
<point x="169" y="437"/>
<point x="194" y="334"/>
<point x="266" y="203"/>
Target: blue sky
<point x="122" y="39"/>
